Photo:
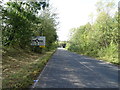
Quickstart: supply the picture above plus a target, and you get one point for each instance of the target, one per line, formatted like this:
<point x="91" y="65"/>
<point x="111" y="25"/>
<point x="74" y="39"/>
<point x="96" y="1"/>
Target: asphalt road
<point x="70" y="70"/>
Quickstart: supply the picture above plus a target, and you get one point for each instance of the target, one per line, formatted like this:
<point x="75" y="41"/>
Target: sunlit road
<point x="69" y="70"/>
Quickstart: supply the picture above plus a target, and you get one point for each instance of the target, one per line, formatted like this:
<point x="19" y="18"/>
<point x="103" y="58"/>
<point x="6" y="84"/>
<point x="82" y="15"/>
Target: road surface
<point x="70" y="70"/>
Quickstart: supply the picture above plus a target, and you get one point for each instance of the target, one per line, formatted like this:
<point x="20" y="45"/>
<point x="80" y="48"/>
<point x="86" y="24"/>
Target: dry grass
<point x="20" y="68"/>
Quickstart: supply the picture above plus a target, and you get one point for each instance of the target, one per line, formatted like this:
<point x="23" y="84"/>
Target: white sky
<point x="73" y="13"/>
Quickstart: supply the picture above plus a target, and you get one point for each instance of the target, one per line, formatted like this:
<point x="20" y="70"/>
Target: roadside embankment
<point x="20" y="68"/>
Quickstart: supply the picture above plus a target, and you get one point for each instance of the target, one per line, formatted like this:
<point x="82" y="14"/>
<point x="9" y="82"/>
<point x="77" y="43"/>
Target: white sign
<point x="38" y="41"/>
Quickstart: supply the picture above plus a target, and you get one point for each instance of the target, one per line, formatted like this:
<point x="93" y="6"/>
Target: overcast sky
<point x="73" y="13"/>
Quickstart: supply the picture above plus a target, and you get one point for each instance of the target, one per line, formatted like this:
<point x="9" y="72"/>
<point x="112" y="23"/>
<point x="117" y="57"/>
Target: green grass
<point x="20" y="69"/>
<point x="109" y="59"/>
<point x="108" y="54"/>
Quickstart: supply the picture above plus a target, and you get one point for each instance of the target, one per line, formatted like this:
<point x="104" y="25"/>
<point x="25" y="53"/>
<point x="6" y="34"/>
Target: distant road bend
<point x="69" y="70"/>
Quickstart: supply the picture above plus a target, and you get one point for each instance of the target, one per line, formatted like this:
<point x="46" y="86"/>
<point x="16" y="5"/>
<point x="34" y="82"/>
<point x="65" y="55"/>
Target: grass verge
<point x="21" y="68"/>
<point x="109" y="60"/>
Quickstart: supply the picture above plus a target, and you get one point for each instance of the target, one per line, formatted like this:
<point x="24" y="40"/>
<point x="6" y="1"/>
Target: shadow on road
<point x="69" y="70"/>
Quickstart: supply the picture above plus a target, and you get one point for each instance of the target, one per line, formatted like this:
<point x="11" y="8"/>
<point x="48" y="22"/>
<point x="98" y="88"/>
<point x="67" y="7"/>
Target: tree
<point x="21" y="21"/>
<point x="99" y="39"/>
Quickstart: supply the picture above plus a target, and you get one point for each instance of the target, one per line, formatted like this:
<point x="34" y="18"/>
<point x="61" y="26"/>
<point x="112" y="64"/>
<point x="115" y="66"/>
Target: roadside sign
<point x="38" y="41"/>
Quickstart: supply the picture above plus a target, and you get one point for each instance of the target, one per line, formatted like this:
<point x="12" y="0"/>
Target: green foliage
<point x="62" y="43"/>
<point x="21" y="21"/>
<point x="99" y="39"/>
